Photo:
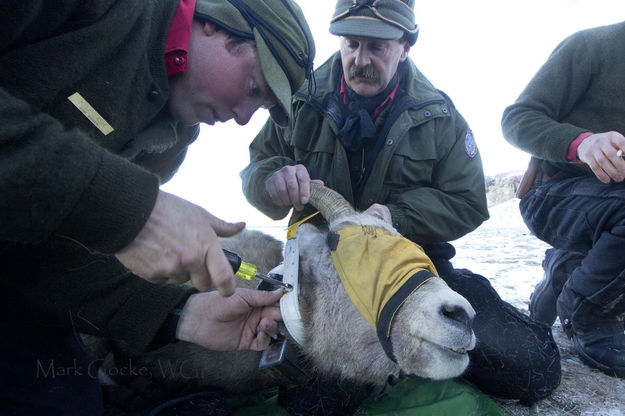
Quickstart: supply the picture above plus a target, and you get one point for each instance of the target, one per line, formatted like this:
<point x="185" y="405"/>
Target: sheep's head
<point x="428" y="330"/>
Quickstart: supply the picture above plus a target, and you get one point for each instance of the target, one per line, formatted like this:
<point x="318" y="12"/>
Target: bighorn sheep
<point x="430" y="333"/>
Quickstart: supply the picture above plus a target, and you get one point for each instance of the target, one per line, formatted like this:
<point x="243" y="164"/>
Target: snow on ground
<point x="503" y="250"/>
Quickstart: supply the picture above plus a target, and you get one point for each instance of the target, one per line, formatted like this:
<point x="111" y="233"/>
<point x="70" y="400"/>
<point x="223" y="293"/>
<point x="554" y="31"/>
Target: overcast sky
<point x="482" y="53"/>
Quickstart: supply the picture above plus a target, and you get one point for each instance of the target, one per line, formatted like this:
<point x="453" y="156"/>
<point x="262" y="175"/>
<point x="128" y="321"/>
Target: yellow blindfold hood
<point x="379" y="271"/>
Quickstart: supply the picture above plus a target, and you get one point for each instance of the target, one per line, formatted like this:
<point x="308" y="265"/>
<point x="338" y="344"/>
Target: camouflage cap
<point x="380" y="19"/>
<point x="285" y="44"/>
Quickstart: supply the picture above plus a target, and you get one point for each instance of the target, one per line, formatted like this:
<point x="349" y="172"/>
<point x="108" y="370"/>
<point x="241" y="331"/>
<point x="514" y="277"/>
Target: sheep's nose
<point x="457" y="314"/>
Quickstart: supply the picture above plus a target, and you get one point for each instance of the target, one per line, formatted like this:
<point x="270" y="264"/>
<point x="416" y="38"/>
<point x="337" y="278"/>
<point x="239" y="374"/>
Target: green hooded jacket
<point x="428" y="171"/>
<point x="410" y="397"/>
<point x="72" y="190"/>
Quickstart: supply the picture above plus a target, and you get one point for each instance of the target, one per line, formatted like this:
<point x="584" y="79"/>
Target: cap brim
<point x="365" y="27"/>
<point x="277" y="81"/>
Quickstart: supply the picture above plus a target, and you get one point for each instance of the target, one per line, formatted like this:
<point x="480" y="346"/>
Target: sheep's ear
<point x="313" y="240"/>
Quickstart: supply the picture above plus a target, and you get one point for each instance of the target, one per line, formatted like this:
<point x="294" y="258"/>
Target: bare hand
<point x="599" y="152"/>
<point x="380" y="211"/>
<point x="245" y="321"/>
<point x="179" y="242"/>
<point x="290" y="186"/>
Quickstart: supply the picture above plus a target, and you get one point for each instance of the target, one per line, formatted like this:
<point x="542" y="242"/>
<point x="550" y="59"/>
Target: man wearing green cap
<point x="379" y="133"/>
<point x="99" y="102"/>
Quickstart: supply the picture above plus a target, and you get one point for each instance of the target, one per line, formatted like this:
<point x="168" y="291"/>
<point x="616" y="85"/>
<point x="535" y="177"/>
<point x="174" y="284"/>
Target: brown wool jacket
<point x="74" y="190"/>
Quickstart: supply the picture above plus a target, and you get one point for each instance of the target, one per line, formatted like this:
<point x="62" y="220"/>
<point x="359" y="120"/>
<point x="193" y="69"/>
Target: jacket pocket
<point x="411" y="164"/>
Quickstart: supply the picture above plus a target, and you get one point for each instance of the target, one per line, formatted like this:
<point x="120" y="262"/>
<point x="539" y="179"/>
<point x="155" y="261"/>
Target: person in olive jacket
<point x="571" y="118"/>
<point x="378" y="132"/>
<point x="99" y="102"/>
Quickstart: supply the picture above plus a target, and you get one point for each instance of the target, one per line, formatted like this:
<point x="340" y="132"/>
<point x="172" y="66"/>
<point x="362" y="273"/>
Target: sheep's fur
<point x="338" y="341"/>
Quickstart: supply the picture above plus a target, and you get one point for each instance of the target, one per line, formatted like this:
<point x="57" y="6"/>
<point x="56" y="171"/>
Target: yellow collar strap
<point x="292" y="229"/>
<point x="379" y="271"/>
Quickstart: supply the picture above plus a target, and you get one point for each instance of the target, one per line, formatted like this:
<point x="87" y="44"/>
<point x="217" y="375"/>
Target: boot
<point x="601" y="346"/>
<point x="597" y="333"/>
<point x="543" y="302"/>
<point x="558" y="265"/>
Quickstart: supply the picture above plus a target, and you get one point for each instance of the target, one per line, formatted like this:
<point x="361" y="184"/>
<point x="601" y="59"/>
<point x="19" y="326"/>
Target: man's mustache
<point x="367" y="72"/>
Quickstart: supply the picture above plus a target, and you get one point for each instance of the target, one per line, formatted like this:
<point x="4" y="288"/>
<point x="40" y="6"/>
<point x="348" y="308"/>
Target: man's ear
<point x="404" y="53"/>
<point x="208" y="28"/>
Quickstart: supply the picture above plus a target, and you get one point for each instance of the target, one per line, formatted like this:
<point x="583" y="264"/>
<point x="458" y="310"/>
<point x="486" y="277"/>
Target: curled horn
<point x="330" y="203"/>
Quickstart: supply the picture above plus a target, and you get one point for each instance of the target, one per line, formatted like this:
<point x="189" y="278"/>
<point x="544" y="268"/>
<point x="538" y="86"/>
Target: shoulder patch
<point x="470" y="147"/>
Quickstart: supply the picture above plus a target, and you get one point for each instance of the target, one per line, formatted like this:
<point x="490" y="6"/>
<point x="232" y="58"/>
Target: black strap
<point x="392" y="306"/>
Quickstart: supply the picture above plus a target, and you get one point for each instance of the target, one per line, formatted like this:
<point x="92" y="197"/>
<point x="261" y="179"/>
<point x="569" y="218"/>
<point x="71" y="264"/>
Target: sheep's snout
<point x="455" y="320"/>
<point x="458" y="317"/>
<point x="432" y="332"/>
<point x="451" y="318"/>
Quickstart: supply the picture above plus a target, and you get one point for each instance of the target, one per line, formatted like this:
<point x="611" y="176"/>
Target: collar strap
<point x="289" y="302"/>
<point x="288" y="370"/>
<point x="292" y="229"/>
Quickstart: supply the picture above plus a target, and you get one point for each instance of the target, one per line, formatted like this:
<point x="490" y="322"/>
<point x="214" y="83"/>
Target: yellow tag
<point x="292" y="230"/>
<point x="90" y="113"/>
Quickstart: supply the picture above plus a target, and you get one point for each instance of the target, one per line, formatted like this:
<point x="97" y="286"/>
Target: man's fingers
<point x="597" y="167"/>
<point x="273" y="312"/>
<point x="178" y="279"/>
<point x="259" y="298"/>
<point x="616" y="166"/>
<point x="219" y="272"/>
<point x="290" y="186"/>
<point x="223" y="228"/>
<point x="200" y="280"/>
<point x="304" y="184"/>
<point x="293" y="190"/>
<point x="270" y="187"/>
<point x="277" y="188"/>
<point x="612" y="172"/>
<point x="266" y="330"/>
<point x="599" y="151"/>
<point x="599" y="173"/>
<point x="602" y="166"/>
<point x="269" y="326"/>
<point x="590" y="156"/>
